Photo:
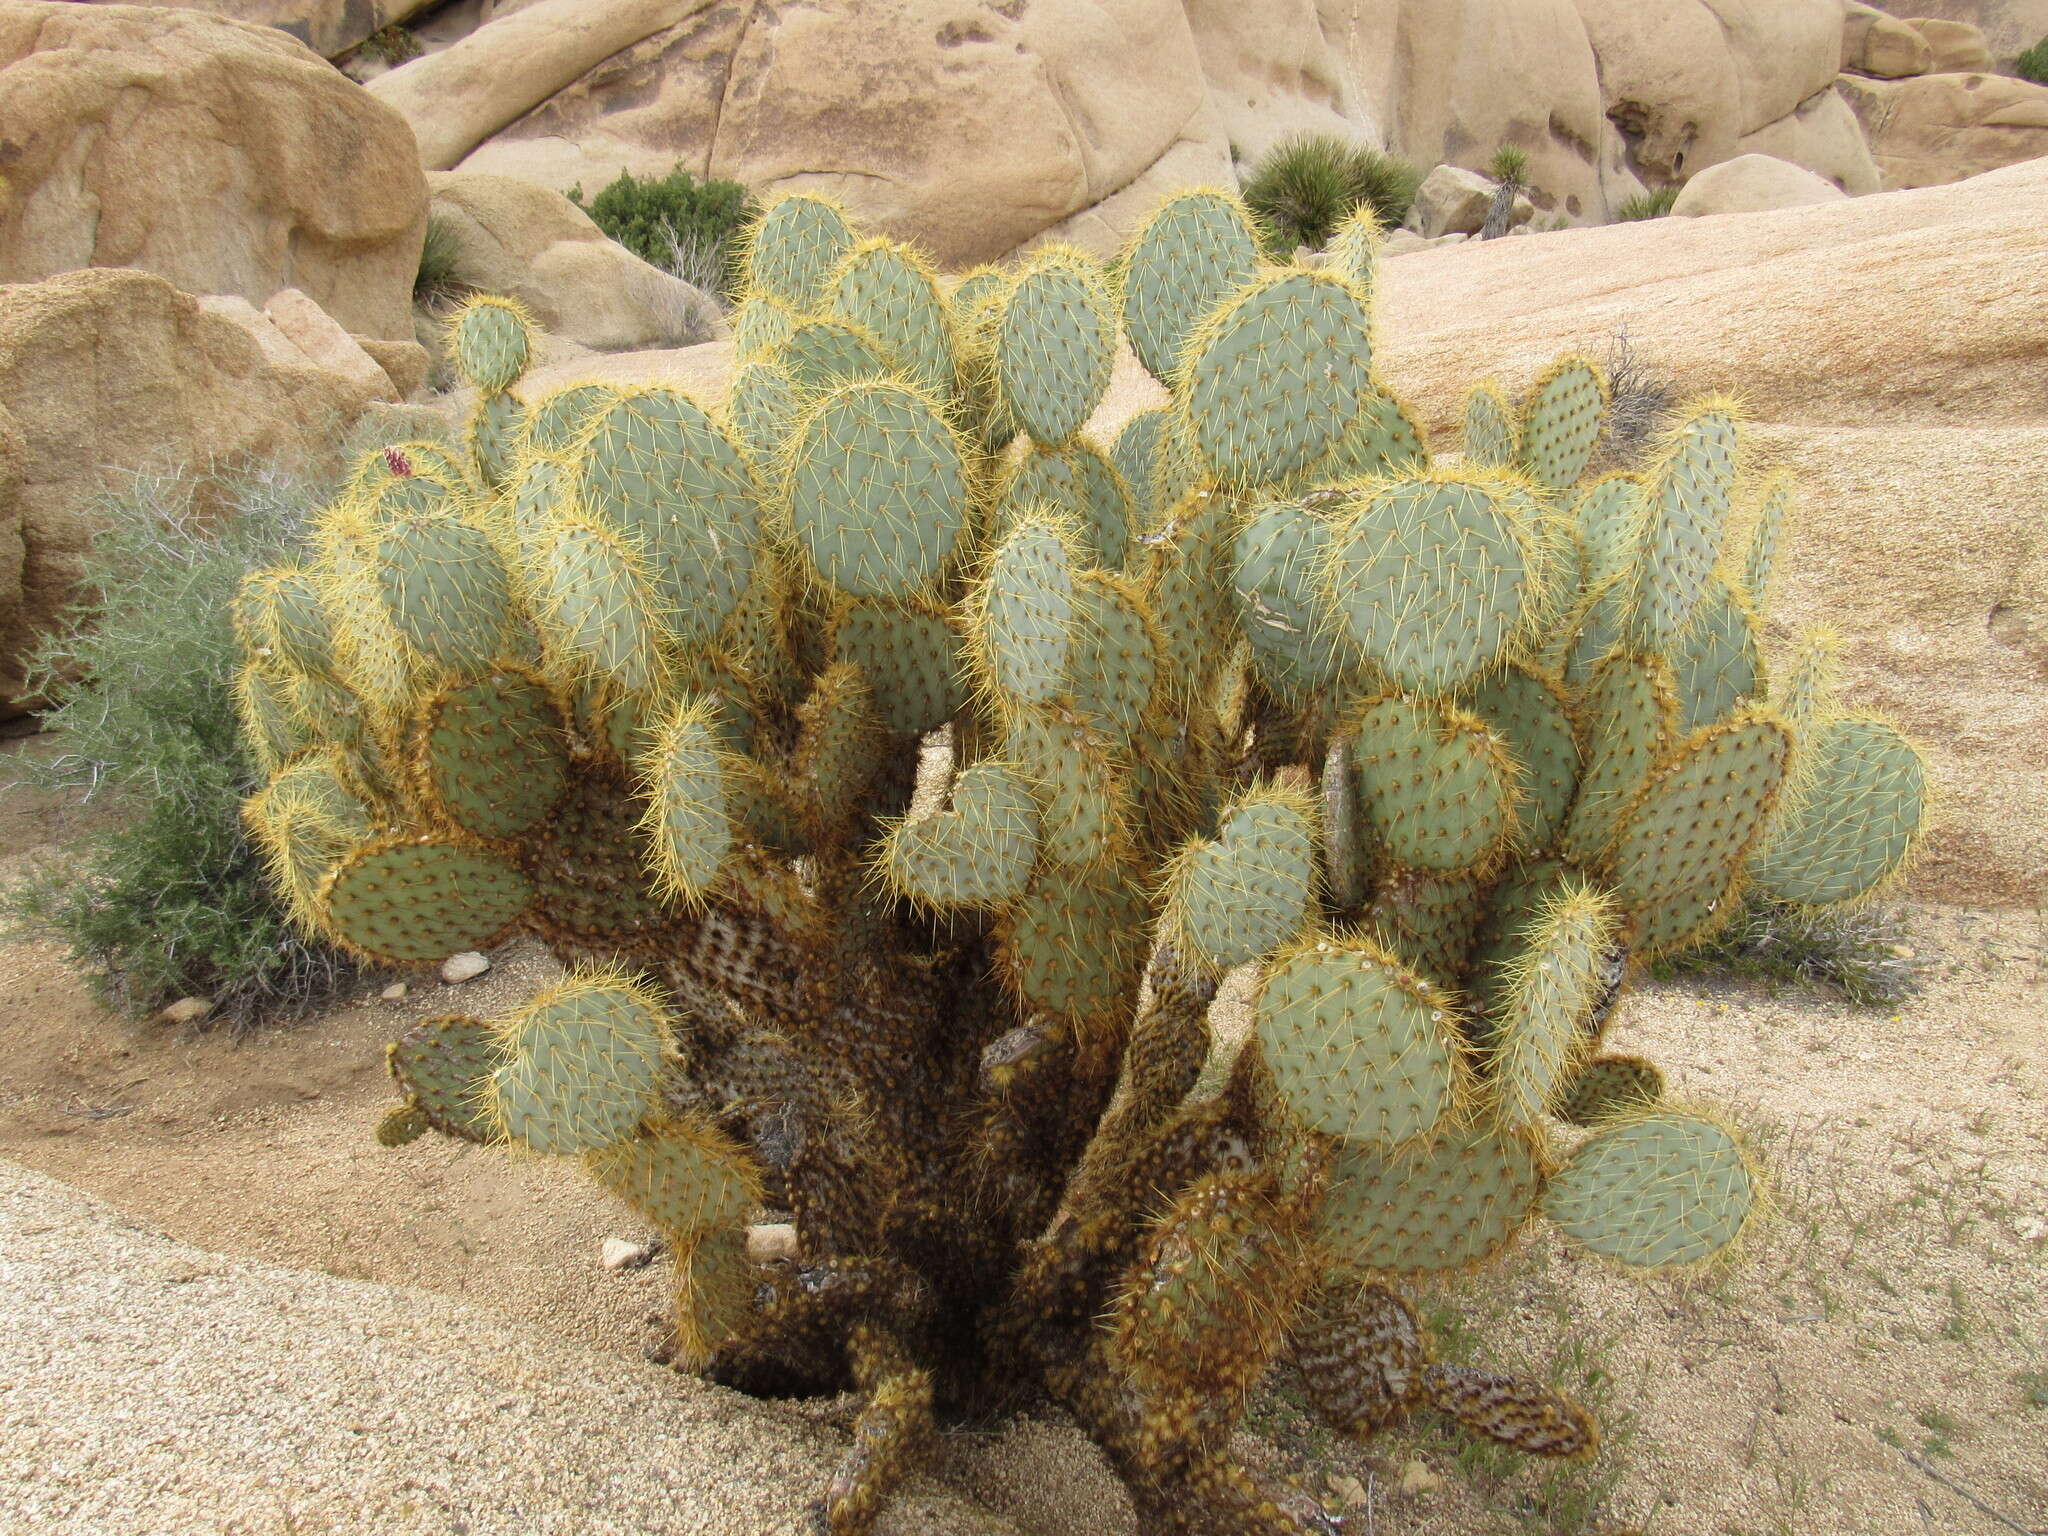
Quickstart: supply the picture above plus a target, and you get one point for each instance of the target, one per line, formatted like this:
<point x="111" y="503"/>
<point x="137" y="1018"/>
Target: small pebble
<point x="1416" y="1478"/>
<point x="770" y="1241"/>
<point x="186" y="1010"/>
<point x="395" y="993"/>
<point x="1347" y="1488"/>
<point x="617" y="1253"/>
<point x="466" y="966"/>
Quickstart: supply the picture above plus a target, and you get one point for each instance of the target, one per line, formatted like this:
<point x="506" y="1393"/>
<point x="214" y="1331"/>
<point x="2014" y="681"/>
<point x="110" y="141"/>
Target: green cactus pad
<point x="1354" y="251"/>
<point x="491" y="340"/>
<point x="1449" y="1203"/>
<point x="877" y="490"/>
<point x="1246" y="892"/>
<point x="596" y="605"/>
<point x="491" y="755"/>
<point x="1688" y="827"/>
<point x="684" y="1177"/>
<point x="761" y="412"/>
<point x="1192" y="253"/>
<point x="1628" y="719"/>
<point x="1687" y="503"/>
<point x="1278" y="374"/>
<point x="1135" y="455"/>
<point x="404" y="900"/>
<point x="820" y="355"/>
<point x="1182" y="582"/>
<point x="1055" y="345"/>
<point x="589" y="868"/>
<point x="1607" y="1086"/>
<point x="446" y="591"/>
<point x="443" y="1065"/>
<point x="1114" y="663"/>
<point x="975" y="291"/>
<point x="1074" y="945"/>
<point x="1077" y="480"/>
<point x="1677" y="923"/>
<point x="1717" y="665"/>
<point x="979" y="853"/>
<point x="496" y="434"/>
<point x="538" y="489"/>
<point x="1383" y="440"/>
<point x="558" y="422"/>
<point x="1547" y="992"/>
<point x="793" y="248"/>
<point x="655" y="467"/>
<point x="1027" y="612"/>
<point x="401" y="1124"/>
<point x="1771" y="515"/>
<point x="1430" y="921"/>
<point x="1529" y="713"/>
<point x="1663" y="1189"/>
<point x="759" y="326"/>
<point x="1279" y="556"/>
<point x="838" y="744"/>
<point x="298" y="624"/>
<point x="1591" y="633"/>
<point x="263" y="706"/>
<point x="1070" y="768"/>
<point x="1437" y="785"/>
<point x="1607" y="520"/>
<point x="910" y="657"/>
<point x="1856" y="806"/>
<point x="1361" y="1048"/>
<point x="1493" y="435"/>
<point x="1561" y="422"/>
<point x="1428" y="578"/>
<point x="887" y="291"/>
<point x="578" y="1065"/>
<point x="688" y="827"/>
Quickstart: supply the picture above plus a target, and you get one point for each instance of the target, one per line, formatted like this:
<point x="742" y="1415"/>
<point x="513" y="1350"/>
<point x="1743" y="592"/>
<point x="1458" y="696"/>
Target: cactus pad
<point x="1438" y="787"/>
<point x="596" y="604"/>
<point x="1493" y="437"/>
<point x="1529" y="714"/>
<point x="759" y="326"/>
<point x="1546" y="995"/>
<point x="1447" y="1203"/>
<point x="1383" y="440"/>
<point x="1519" y="1414"/>
<point x="1276" y="376"/>
<point x="555" y="425"/>
<point x="1662" y="1189"/>
<point x="578" y="1065"/>
<point x="443" y="1065"/>
<point x="1114" y="663"/>
<point x="877" y="490"/>
<point x="684" y="1177"/>
<point x="1428" y="579"/>
<point x="820" y="355"/>
<point x="1689" y="826"/>
<point x="1073" y="946"/>
<point x="1687" y="502"/>
<point x="793" y="248"/>
<point x="1278" y="559"/>
<point x="491" y="340"/>
<point x="1194" y="251"/>
<point x="403" y="901"/>
<point x="1858" y="803"/>
<point x="1717" y="665"/>
<point x="978" y="853"/>
<point x="887" y="291"/>
<point x="491" y="755"/>
<point x="910" y="657"/>
<point x="687" y="825"/>
<point x="1027" y="611"/>
<point x="445" y="590"/>
<point x="1608" y="1086"/>
<point x="1055" y="345"/>
<point x="1076" y="480"/>
<point x="1630" y="713"/>
<point x="1246" y="892"/>
<point x="1361" y="1048"/>
<point x="761" y="412"/>
<point x="1561" y="422"/>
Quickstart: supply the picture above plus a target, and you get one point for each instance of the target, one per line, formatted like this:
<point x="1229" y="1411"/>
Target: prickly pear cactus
<point x="896" y="767"/>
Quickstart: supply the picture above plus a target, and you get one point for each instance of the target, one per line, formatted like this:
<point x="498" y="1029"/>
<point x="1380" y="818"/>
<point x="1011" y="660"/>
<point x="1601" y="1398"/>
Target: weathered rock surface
<point x="1882" y="46"/>
<point x="515" y="238"/>
<point x="1454" y="201"/>
<point x="224" y="156"/>
<point x="328" y="27"/>
<point x="2009" y="26"/>
<point x="1823" y="136"/>
<point x="1941" y="128"/>
<point x="1958" y="46"/>
<point x="106" y="370"/>
<point x="1753" y="184"/>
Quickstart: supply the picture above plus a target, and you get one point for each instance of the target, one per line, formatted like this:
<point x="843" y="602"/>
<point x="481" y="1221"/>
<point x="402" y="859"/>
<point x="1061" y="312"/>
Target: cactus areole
<point x="895" y="770"/>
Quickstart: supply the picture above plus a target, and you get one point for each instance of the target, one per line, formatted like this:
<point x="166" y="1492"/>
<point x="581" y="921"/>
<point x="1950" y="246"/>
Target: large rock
<point x="2010" y="27"/>
<point x="971" y="127"/>
<point x="1455" y="201"/>
<point x="1957" y="46"/>
<point x="328" y="27"/>
<point x="226" y="157"/>
<point x="105" y="371"/>
<point x="1941" y="128"/>
<point x="1897" y="369"/>
<point x="518" y="239"/>
<point x="1685" y="80"/>
<point x="1823" y="136"/>
<point x="1882" y="46"/>
<point x="1752" y="184"/>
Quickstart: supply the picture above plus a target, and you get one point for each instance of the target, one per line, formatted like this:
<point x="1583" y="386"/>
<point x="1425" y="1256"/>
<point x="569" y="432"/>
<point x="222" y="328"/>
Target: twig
<point x="1915" y="1459"/>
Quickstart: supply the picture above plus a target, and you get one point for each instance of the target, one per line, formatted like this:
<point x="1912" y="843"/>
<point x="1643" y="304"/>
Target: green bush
<point x="2033" y="64"/>
<point x="436" y="279"/>
<point x="677" y="223"/>
<point x="1306" y="185"/>
<point x="1647" y="205"/>
<point x="170" y="900"/>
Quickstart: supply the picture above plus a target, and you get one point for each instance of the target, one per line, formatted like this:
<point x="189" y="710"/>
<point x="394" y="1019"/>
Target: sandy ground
<point x="331" y="1336"/>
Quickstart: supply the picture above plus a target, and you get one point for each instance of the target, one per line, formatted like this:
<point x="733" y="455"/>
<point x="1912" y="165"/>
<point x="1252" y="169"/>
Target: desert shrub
<point x="436" y="280"/>
<point x="170" y="899"/>
<point x="1647" y="205"/>
<point x="1639" y="398"/>
<point x="394" y="45"/>
<point x="2033" y="64"/>
<point x="676" y="222"/>
<point x="1305" y="186"/>
<point x="1861" y="951"/>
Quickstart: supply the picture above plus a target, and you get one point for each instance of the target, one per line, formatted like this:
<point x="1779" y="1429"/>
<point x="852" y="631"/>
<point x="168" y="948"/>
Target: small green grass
<point x="1861" y="951"/>
<point x="440" y="253"/>
<point x="1308" y="184"/>
<point x="1647" y="205"/>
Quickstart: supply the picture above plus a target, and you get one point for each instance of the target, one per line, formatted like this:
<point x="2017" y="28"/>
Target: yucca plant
<point x="898" y="769"/>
